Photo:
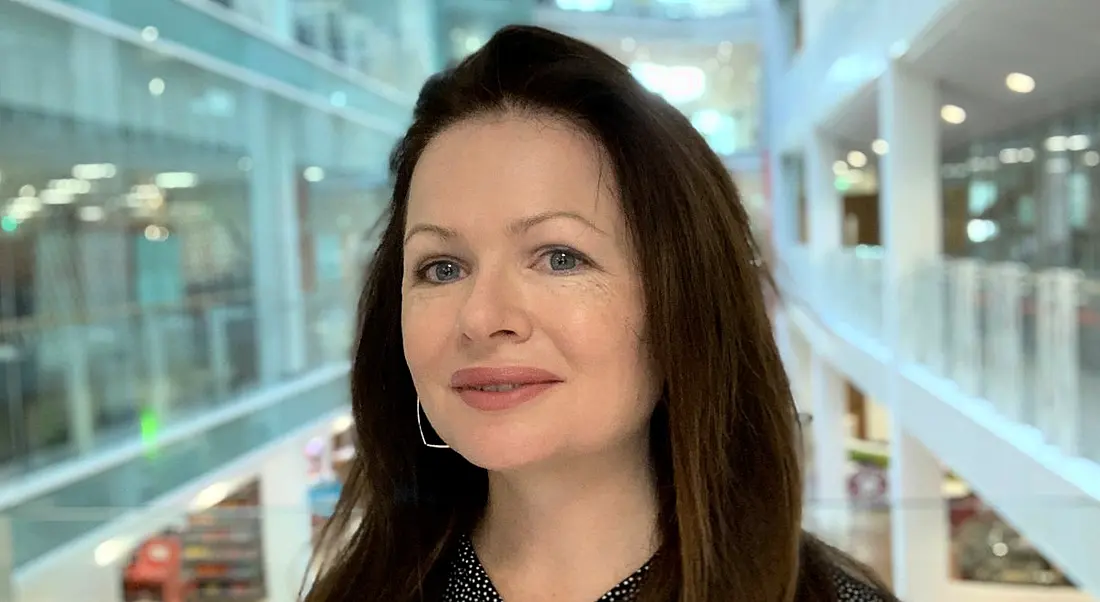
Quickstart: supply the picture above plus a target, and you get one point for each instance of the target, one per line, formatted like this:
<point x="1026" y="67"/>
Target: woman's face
<point x="522" y="306"/>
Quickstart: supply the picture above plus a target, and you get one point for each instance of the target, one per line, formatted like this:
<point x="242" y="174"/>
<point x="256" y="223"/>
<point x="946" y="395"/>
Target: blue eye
<point x="563" y="261"/>
<point x="439" y="272"/>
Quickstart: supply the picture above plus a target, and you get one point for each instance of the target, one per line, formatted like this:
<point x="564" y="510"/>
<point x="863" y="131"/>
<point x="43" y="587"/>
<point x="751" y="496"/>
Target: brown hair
<point x="724" y="436"/>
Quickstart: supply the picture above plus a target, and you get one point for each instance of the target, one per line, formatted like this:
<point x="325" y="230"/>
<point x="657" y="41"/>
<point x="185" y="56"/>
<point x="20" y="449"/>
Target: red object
<point x="963" y="509"/>
<point x="868" y="484"/>
<point x="157" y="567"/>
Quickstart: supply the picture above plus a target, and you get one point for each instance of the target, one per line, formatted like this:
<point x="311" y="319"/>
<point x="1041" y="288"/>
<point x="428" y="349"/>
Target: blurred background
<point x="187" y="195"/>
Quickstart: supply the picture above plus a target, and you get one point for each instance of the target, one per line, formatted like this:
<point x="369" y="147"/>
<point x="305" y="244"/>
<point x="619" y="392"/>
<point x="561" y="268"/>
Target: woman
<point x="566" y="385"/>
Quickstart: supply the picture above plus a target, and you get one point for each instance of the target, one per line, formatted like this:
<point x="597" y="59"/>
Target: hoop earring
<point x="420" y="427"/>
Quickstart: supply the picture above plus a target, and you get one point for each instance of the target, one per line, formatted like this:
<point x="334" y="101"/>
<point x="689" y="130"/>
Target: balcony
<point x="845" y="51"/>
<point x="995" y="367"/>
<point x="337" y="59"/>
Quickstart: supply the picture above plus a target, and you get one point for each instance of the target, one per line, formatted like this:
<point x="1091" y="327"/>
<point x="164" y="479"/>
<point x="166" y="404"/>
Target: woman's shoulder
<point x="852" y="589"/>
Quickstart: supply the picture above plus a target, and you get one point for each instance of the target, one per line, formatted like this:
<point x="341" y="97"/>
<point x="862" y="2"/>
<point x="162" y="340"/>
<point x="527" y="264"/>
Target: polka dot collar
<point x="468" y="581"/>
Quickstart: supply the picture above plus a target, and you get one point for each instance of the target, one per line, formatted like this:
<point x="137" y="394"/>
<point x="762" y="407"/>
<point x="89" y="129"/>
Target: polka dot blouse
<point x="468" y="582"/>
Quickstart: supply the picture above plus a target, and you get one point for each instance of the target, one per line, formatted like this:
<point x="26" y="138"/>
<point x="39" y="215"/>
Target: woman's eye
<point x="563" y="261"/>
<point x="439" y="272"/>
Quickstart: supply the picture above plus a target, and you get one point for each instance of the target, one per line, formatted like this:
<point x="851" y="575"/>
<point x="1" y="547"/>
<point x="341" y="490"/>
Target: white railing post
<point x="861" y="307"/>
<point x="929" y="316"/>
<point x="159" y="394"/>
<point x="7" y="560"/>
<point x="1004" y="384"/>
<point x="876" y="280"/>
<point x="1067" y="421"/>
<point x="1045" y="362"/>
<point x="965" y="350"/>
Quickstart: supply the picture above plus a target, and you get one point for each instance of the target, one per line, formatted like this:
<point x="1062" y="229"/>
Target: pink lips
<point x="497" y="389"/>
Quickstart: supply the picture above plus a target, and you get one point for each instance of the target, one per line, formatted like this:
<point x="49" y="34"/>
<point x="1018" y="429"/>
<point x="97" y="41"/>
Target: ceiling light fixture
<point x="880" y="147"/>
<point x="1078" y="142"/>
<point x="1020" y="83"/>
<point x="857" y="159"/>
<point x="1056" y="144"/>
<point x="953" y="114"/>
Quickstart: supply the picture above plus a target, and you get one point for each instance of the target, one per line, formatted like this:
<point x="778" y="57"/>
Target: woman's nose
<point x="495" y="308"/>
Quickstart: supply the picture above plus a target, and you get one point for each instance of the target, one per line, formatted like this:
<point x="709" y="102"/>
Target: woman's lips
<point x="502" y="388"/>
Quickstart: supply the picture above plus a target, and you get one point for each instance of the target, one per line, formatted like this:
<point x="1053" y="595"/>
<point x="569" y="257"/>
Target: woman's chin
<point x="499" y="454"/>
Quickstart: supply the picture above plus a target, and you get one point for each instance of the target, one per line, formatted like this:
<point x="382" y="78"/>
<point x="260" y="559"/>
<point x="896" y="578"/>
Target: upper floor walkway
<point x="995" y="368"/>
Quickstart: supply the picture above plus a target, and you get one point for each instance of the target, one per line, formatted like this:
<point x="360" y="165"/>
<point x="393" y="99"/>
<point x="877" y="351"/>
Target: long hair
<point x="724" y="437"/>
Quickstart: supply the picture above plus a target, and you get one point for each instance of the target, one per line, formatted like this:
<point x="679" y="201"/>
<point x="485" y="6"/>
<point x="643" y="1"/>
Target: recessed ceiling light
<point x="880" y="147"/>
<point x="857" y="159"/>
<point x="156" y="86"/>
<point x="1020" y="83"/>
<point x="953" y="114"/>
<point x="840" y="167"/>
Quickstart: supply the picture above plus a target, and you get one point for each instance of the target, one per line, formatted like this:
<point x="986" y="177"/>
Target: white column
<point x="828" y="393"/>
<point x="910" y="191"/>
<point x="784" y="185"/>
<point x="276" y="248"/>
<point x="94" y="64"/>
<point x="912" y="230"/>
<point x="287" y="530"/>
<point x="800" y="370"/>
<point x="417" y="24"/>
<point x="919" y="528"/>
<point x="814" y="13"/>
<point x="824" y="203"/>
<point x="830" y="429"/>
<point x="280" y="17"/>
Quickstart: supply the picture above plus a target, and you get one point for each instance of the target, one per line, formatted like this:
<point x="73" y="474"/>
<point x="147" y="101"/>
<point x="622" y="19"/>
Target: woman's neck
<point x="573" y="530"/>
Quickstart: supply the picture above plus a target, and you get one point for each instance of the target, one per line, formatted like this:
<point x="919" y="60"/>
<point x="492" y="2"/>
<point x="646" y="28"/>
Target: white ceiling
<point x="972" y="50"/>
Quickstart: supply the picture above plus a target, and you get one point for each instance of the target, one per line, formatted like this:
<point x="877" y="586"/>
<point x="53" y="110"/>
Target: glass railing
<point x="48" y="521"/>
<point x="362" y="43"/>
<point x="71" y="385"/>
<point x="846" y="286"/>
<point x="1028" y="341"/>
<point x="365" y="85"/>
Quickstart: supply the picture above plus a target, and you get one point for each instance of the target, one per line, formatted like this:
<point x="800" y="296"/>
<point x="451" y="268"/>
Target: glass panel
<point x="129" y="189"/>
<point x="205" y="33"/>
<point x="142" y="480"/>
